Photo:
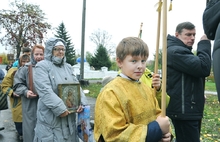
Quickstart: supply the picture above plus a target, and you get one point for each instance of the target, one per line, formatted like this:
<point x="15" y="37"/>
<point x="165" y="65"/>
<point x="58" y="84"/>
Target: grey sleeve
<point x="20" y="81"/>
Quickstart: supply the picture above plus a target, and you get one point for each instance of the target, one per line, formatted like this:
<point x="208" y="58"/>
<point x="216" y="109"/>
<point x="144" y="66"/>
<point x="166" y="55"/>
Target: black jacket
<point x="186" y="74"/>
<point x="211" y="18"/>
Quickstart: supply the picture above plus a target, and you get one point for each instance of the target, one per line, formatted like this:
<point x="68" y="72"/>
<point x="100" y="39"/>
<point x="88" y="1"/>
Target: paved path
<point x="9" y="133"/>
<point x="210" y="93"/>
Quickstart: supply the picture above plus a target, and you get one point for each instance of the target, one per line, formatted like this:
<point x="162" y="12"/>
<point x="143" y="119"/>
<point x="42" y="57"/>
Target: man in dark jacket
<point x="186" y="74"/>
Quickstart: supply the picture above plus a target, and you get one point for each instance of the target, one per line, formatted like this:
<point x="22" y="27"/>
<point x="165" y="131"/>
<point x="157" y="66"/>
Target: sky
<point x="120" y="18"/>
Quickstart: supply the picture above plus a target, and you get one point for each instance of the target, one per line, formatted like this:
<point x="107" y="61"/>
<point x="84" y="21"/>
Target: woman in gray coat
<point x="54" y="122"/>
<point x="25" y="89"/>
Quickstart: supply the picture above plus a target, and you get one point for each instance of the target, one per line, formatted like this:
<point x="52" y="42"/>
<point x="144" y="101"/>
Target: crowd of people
<point x="127" y="107"/>
<point x="39" y="114"/>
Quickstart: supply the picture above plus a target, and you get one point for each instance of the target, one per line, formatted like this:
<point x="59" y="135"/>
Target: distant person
<point x="8" y="66"/>
<point x="106" y="80"/>
<point x="2" y="75"/>
<point x="186" y="74"/>
<point x="29" y="97"/>
<point x="153" y="80"/>
<point x="15" y="100"/>
<point x="126" y="109"/>
<point x="26" y="50"/>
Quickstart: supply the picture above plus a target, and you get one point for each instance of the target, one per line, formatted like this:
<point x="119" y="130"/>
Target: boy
<point x="126" y="109"/>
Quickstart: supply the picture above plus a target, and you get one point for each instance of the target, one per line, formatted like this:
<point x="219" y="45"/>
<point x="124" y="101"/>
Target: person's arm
<point x="43" y="85"/>
<point x="183" y="60"/>
<point x="7" y="83"/>
<point x="154" y="133"/>
<point x="20" y="84"/>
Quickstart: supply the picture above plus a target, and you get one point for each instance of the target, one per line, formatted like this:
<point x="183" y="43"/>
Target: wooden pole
<point x="140" y="32"/>
<point x="157" y="40"/>
<point x="164" y="59"/>
<point x="30" y="77"/>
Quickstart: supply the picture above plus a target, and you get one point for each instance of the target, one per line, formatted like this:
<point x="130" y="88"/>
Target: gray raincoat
<point x="49" y="73"/>
<point x="29" y="106"/>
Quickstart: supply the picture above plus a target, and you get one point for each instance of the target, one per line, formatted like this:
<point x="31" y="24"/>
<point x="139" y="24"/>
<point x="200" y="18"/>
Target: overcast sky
<point x="120" y="18"/>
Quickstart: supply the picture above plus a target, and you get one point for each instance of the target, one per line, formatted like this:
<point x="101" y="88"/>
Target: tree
<point x="100" y="58"/>
<point x="102" y="38"/>
<point x="4" y="58"/>
<point x="88" y="57"/>
<point x="70" y="52"/>
<point x="24" y="25"/>
<point x="151" y="66"/>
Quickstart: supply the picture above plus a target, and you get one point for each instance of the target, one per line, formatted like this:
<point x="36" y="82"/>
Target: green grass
<point x="210" y="131"/>
<point x="94" y="89"/>
<point x="210" y="86"/>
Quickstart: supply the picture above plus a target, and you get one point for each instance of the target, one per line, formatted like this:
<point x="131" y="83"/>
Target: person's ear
<point x="119" y="62"/>
<point x="176" y="34"/>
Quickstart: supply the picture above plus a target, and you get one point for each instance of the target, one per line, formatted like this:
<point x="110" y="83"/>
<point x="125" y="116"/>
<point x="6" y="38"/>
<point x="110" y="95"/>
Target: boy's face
<point x="132" y="66"/>
<point x="23" y="62"/>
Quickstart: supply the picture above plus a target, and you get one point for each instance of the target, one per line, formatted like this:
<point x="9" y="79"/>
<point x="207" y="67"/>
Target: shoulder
<point x="43" y="63"/>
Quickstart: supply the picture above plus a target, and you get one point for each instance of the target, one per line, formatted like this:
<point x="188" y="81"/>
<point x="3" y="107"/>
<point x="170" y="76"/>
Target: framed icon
<point x="70" y="94"/>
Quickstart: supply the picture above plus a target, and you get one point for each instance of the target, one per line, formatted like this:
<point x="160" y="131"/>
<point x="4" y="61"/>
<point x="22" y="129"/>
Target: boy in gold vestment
<point x="126" y="110"/>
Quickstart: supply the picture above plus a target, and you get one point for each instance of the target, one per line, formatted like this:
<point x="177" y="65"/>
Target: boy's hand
<point x="164" y="124"/>
<point x="166" y="138"/>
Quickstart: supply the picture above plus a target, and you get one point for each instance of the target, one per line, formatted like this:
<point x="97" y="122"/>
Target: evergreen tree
<point x="101" y="58"/>
<point x="70" y="51"/>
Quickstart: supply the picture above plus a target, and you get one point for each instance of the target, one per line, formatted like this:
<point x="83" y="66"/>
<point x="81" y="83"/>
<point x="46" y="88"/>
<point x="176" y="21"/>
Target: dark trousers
<point x="187" y="130"/>
<point x="18" y="126"/>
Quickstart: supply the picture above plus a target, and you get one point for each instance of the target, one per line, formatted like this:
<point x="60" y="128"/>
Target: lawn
<point x="210" y="131"/>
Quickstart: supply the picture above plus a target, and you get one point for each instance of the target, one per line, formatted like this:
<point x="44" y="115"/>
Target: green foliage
<point x="210" y="86"/>
<point x="101" y="58"/>
<point x="70" y="51"/>
<point x="88" y="57"/>
<point x="94" y="89"/>
<point x="4" y="58"/>
<point x="23" y="25"/>
<point x="159" y="59"/>
<point x="114" y="66"/>
<point x="210" y="77"/>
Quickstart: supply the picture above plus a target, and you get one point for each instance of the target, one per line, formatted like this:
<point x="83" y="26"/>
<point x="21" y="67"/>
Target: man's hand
<point x="204" y="37"/>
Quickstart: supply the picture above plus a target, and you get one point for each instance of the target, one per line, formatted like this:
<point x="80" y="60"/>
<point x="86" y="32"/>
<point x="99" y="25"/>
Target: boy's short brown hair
<point x="133" y="46"/>
<point x="23" y="57"/>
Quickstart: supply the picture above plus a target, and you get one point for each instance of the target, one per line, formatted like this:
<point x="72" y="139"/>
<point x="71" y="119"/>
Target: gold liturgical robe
<point x="123" y="110"/>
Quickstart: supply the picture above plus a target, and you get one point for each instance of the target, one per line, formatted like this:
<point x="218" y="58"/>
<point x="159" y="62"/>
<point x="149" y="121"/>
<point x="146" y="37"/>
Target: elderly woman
<point x="55" y="123"/>
<point x="23" y="86"/>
